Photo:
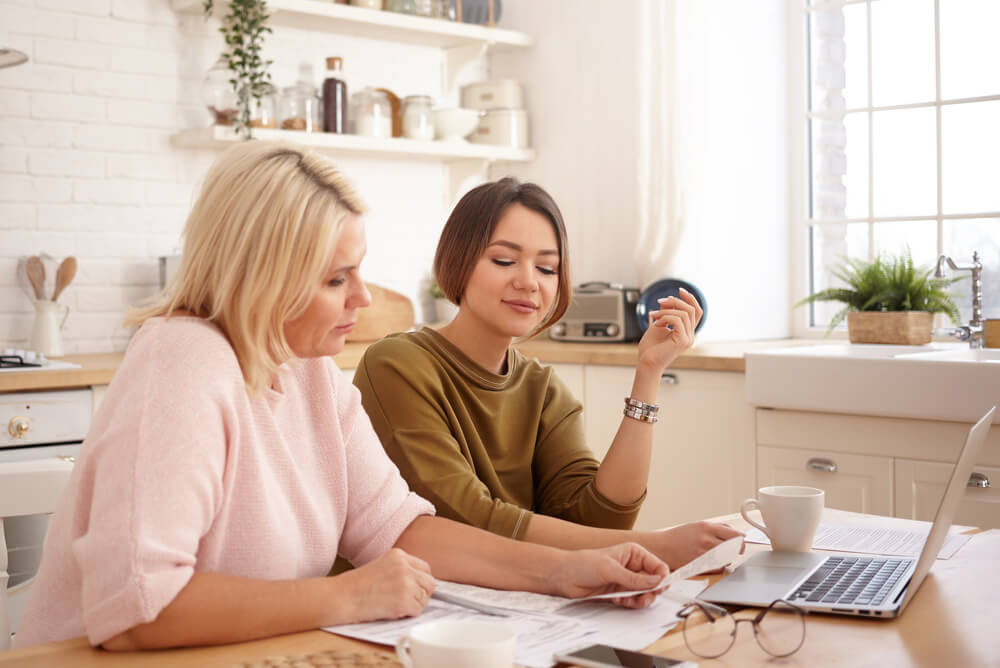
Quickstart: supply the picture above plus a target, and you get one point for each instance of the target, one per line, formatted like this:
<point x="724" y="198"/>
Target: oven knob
<point x="611" y="329"/>
<point x="559" y="329"/>
<point x="18" y="427"/>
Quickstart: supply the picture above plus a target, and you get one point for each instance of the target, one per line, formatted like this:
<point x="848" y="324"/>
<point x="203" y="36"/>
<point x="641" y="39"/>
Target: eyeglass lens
<point x="780" y="631"/>
<point x="709" y="636"/>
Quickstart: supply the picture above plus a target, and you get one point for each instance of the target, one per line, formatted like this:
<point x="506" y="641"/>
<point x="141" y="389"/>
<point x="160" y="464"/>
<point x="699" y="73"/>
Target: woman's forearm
<point x="624" y="471"/>
<point x="462" y="553"/>
<point x="214" y="609"/>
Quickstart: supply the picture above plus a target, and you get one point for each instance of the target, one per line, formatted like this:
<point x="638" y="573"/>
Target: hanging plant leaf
<point x="243" y="30"/>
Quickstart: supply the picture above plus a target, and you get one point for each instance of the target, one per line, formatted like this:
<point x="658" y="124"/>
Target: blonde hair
<point x="256" y="244"/>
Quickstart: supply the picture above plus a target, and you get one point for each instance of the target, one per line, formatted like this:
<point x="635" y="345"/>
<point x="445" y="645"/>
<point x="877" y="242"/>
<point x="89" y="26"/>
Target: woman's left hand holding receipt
<point x="625" y="567"/>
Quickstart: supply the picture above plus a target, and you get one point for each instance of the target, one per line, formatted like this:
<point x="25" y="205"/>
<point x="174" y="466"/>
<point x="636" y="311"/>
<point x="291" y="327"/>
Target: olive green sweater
<point x="485" y="449"/>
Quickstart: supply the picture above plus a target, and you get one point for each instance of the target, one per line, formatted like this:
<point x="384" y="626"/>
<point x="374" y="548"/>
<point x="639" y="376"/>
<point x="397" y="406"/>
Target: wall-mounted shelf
<point x="376" y="24"/>
<point x="462" y="159"/>
<point x="218" y="136"/>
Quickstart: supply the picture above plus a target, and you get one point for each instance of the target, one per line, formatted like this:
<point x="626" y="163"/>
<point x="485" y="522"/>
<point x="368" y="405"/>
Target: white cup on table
<point x="457" y="644"/>
<point x="790" y="513"/>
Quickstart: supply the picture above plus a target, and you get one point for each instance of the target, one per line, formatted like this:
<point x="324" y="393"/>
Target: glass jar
<point x="401" y="6"/>
<point x="436" y="9"/>
<point x="264" y="111"/>
<point x="418" y="121"/>
<point x="300" y="108"/>
<point x="218" y="94"/>
<point x="371" y="114"/>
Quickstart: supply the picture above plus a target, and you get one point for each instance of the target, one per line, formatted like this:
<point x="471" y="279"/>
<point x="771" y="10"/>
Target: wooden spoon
<point x="64" y="274"/>
<point x="36" y="276"/>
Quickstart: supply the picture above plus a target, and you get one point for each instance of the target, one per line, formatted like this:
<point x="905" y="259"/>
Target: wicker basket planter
<point x="899" y="327"/>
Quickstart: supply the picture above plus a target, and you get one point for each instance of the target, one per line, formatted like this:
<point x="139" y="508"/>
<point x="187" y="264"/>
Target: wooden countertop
<point x="97" y="369"/>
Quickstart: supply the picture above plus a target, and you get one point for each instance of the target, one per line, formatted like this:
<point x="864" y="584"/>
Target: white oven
<point x="37" y="425"/>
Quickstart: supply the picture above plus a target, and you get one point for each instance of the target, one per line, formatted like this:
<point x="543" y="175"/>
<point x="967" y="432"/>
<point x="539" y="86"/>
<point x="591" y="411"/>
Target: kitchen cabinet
<point x="891" y="466"/>
<point x="920" y="486"/>
<point x="703" y="454"/>
<point x="860" y="483"/>
<point x="460" y="43"/>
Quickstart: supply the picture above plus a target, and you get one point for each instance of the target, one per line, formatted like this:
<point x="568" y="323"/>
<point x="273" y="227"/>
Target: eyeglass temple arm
<point x="681" y="598"/>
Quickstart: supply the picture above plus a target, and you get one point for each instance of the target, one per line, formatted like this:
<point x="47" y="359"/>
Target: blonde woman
<point x="494" y="439"/>
<point x="231" y="460"/>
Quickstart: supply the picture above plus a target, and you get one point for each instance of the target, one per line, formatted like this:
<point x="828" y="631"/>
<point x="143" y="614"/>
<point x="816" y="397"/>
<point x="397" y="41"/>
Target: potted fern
<point x="888" y="301"/>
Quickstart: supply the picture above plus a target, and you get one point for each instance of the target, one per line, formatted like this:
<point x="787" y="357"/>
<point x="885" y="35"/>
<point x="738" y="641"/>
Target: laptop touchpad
<point x="769" y="574"/>
<point x="764" y="577"/>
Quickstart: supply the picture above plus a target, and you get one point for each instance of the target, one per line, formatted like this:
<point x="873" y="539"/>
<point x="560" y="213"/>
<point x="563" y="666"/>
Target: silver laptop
<point x="850" y="584"/>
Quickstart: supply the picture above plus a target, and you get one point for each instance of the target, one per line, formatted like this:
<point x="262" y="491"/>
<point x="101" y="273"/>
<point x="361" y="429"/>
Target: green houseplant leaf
<point x="243" y="29"/>
<point x="895" y="284"/>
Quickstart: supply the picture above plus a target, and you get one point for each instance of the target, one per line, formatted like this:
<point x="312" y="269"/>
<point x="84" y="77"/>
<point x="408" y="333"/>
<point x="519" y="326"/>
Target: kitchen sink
<point x="939" y="381"/>
<point x="989" y="355"/>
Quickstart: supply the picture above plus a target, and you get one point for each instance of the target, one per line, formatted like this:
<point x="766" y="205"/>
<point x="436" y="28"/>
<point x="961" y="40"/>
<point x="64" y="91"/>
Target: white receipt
<point x="720" y="555"/>
<point x="498" y="601"/>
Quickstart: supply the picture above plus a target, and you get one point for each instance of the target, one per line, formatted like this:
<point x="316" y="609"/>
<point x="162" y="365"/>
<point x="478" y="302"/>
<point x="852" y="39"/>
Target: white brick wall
<point x="87" y="167"/>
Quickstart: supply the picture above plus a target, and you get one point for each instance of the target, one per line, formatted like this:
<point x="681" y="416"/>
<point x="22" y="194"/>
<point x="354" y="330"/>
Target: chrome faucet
<point x="974" y="332"/>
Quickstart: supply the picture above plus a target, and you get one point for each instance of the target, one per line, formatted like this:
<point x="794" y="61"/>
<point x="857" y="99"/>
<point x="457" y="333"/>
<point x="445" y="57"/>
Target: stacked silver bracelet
<point x="641" y="411"/>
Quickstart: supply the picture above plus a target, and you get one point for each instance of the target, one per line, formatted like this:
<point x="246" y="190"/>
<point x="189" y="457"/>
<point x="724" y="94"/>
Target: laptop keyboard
<point x="852" y="580"/>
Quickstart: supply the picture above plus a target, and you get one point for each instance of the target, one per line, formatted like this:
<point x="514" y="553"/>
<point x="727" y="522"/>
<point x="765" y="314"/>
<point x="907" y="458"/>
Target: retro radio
<point x="599" y="312"/>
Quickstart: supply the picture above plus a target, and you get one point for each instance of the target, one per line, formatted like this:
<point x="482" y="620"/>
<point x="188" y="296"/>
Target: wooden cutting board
<point x="389" y="312"/>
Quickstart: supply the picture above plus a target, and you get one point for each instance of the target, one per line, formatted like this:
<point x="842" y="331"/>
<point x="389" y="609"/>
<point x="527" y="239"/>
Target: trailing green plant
<point x="881" y="285"/>
<point x="243" y="29"/>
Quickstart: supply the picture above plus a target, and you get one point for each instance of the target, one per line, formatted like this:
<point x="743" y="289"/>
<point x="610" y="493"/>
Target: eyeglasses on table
<point x="710" y="631"/>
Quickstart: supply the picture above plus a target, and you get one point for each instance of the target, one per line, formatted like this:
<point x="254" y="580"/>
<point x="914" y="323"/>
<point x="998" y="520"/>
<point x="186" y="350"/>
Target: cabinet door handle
<point x="979" y="480"/>
<point x="669" y="379"/>
<point x="821" y="464"/>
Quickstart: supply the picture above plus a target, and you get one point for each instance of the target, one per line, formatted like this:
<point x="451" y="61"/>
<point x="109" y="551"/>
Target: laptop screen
<point x="949" y="504"/>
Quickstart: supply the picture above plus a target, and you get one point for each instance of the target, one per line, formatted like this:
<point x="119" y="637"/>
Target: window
<point x="903" y="124"/>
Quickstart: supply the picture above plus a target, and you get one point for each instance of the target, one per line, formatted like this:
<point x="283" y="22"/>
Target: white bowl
<point x="455" y="124"/>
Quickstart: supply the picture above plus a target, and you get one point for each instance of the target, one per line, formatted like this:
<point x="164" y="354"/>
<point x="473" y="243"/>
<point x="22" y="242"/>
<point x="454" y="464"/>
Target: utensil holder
<point x="46" y="334"/>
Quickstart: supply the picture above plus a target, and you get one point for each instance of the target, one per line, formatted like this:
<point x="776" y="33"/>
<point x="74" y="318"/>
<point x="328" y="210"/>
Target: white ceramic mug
<point x="790" y="513"/>
<point x="457" y="644"/>
<point x="46" y="337"/>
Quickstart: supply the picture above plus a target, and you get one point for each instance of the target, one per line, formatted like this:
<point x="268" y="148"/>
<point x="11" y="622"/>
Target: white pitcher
<point x="50" y="317"/>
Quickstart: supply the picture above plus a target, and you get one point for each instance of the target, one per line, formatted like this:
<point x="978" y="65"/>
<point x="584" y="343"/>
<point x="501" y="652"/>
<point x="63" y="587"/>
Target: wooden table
<point x="953" y="621"/>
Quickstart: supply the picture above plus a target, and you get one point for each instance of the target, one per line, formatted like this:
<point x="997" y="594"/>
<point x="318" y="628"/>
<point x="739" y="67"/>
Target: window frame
<point x="801" y="179"/>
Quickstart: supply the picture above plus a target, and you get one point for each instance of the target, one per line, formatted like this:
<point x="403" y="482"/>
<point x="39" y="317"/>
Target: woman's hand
<point x="671" y="330"/>
<point x="624" y="567"/>
<point x="684" y="542"/>
<point x="393" y="586"/>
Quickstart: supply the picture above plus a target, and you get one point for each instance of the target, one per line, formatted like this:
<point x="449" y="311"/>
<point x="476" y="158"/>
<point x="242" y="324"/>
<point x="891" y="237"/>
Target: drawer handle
<point x="979" y="480"/>
<point x="821" y="464"/>
<point x="669" y="379"/>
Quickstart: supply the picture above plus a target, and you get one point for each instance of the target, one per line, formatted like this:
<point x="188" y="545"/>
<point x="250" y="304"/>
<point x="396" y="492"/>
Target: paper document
<point x="498" y="601"/>
<point x="873" y="540"/>
<point x="540" y="635"/>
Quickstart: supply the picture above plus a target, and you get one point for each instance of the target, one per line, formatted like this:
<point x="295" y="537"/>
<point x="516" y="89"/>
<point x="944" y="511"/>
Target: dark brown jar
<point x="335" y="97"/>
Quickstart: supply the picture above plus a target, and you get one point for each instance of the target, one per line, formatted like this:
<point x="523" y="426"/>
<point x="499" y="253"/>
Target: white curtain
<point x="663" y="157"/>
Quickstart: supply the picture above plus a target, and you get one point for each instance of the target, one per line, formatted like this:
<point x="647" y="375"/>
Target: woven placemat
<point x="336" y="658"/>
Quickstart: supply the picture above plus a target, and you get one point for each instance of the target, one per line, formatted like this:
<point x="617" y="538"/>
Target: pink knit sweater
<point x="183" y="472"/>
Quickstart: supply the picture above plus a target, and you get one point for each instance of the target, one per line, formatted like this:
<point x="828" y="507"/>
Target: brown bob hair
<point x="471" y="225"/>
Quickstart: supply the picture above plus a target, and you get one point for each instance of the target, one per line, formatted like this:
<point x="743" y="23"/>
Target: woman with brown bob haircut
<point x="496" y="440"/>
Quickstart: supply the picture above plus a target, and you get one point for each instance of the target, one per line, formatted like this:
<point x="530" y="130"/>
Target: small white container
<point x="498" y="94"/>
<point x="418" y="120"/>
<point x="502" y="127"/>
